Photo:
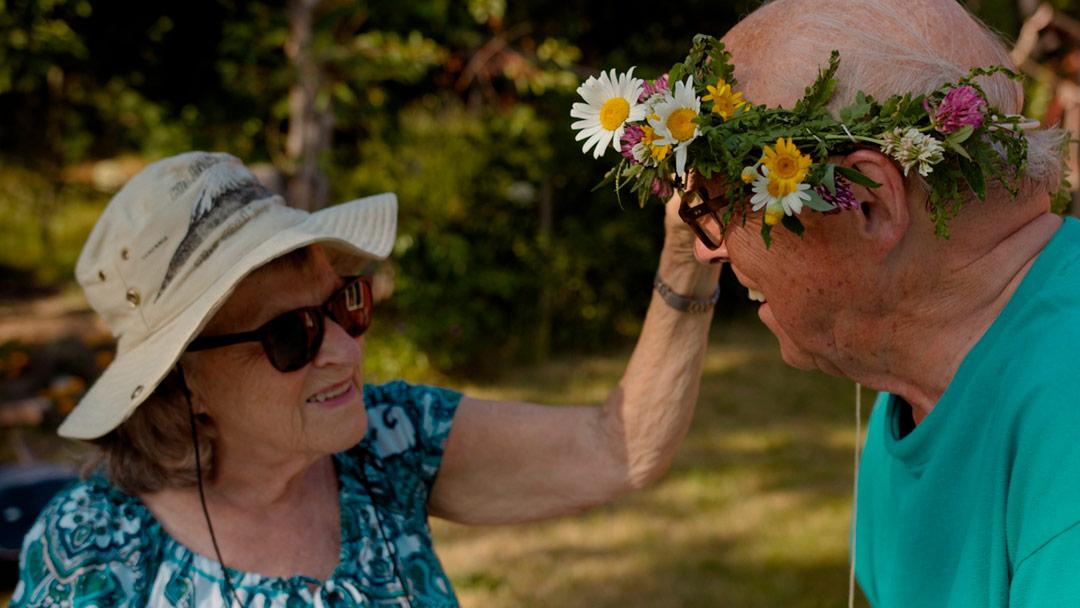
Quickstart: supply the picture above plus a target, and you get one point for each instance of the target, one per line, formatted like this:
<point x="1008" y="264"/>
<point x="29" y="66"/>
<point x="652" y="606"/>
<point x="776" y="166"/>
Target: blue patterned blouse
<point x="96" y="546"/>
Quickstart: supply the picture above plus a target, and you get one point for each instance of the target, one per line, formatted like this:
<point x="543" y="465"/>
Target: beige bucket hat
<point x="170" y="248"/>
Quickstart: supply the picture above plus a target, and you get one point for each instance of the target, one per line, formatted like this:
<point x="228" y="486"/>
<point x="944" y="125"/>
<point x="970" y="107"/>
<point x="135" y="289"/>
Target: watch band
<point x="683" y="303"/>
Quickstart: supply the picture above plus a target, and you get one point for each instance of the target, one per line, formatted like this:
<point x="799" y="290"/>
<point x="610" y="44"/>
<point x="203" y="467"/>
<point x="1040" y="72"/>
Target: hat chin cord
<point x="230" y="591"/>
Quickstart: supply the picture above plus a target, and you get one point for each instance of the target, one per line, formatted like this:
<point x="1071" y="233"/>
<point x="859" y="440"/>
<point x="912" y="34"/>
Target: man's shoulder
<point x="1062" y="257"/>
<point x="1036" y="334"/>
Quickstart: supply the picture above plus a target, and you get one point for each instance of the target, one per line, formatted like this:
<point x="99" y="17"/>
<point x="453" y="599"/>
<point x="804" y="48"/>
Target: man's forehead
<point x="767" y="67"/>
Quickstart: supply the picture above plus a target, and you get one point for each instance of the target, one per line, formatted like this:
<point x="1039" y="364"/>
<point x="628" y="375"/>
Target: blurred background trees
<point x="461" y="107"/>
<point x="503" y="254"/>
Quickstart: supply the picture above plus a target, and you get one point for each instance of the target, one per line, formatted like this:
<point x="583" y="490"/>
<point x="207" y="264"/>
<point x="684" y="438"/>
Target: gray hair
<point x="889" y="47"/>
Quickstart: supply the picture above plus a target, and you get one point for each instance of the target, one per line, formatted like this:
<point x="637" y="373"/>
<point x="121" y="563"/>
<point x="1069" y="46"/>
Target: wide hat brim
<point x="363" y="229"/>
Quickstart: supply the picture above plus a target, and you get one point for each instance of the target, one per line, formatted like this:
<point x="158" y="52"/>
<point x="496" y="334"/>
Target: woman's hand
<point x="677" y="258"/>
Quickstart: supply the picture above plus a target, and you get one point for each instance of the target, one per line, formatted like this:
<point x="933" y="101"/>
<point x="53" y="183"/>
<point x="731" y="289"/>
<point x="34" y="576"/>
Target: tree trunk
<point x="542" y="339"/>
<point x="311" y="118"/>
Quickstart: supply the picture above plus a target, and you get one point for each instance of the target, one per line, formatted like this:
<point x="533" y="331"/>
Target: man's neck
<point x="927" y="332"/>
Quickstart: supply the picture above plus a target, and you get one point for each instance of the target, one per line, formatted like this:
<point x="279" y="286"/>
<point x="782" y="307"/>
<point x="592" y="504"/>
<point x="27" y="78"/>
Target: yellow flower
<point x="657" y="153"/>
<point x="774" y="212"/>
<point x="748" y="175"/>
<point x="787" y="166"/>
<point x="767" y="196"/>
<point x="725" y="102"/>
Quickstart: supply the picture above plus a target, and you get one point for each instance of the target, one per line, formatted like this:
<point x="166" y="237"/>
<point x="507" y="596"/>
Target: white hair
<point x="889" y="47"/>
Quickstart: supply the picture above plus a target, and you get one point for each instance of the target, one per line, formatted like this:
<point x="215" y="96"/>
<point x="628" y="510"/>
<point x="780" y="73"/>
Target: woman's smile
<point x="334" y="395"/>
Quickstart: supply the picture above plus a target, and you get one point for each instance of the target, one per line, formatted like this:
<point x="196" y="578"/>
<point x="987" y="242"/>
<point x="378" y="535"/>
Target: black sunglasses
<point x="291" y="340"/>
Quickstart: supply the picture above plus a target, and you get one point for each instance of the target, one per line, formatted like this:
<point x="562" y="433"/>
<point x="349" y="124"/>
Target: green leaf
<point x="973" y="175"/>
<point x="856" y="177"/>
<point x="957" y="137"/>
<point x="889" y="107"/>
<point x="958" y="149"/>
<point x="792" y="223"/>
<point x="632" y="169"/>
<point x="817" y="203"/>
<point x="857" y="110"/>
<point x="675" y="74"/>
<point x="766" y="234"/>
<point x="960" y="135"/>
<point x="820" y="92"/>
<point x="829" y="179"/>
<point x="344" y="94"/>
<point x="608" y="178"/>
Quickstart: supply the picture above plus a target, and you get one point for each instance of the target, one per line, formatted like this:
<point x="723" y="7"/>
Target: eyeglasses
<point x="693" y="215"/>
<point x="291" y="340"/>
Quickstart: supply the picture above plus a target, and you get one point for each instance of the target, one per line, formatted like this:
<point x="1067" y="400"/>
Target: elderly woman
<point x="244" y="462"/>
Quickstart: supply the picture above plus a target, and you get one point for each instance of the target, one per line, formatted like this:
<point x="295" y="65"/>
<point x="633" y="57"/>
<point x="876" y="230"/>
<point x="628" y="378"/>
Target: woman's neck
<point x="258" y="479"/>
<point x="290" y="527"/>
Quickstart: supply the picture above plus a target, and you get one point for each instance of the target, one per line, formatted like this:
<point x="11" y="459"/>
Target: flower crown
<point x="776" y="158"/>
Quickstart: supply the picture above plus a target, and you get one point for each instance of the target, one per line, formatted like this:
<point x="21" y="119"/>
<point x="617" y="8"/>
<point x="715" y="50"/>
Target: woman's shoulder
<point x="404" y="417"/>
<point x="399" y="392"/>
<point x="90" y="541"/>
<point x="89" y="522"/>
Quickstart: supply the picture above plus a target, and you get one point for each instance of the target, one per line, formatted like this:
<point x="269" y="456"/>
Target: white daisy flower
<point x="777" y="206"/>
<point x="674" y="121"/>
<point x="610" y="102"/>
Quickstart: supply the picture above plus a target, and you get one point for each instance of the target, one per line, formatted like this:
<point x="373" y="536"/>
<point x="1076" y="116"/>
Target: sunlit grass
<point x="755" y="510"/>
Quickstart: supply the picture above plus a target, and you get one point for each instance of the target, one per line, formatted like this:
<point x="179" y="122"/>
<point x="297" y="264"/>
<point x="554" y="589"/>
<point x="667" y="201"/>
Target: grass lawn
<point x="754" y="511"/>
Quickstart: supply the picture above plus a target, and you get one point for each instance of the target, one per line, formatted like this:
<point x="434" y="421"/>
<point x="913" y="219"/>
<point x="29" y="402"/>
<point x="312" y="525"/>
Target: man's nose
<point x="703" y="253"/>
<point x="710" y="256"/>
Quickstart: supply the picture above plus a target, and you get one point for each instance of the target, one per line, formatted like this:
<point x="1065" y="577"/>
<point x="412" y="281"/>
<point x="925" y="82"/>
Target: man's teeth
<point x="330" y="394"/>
<point x="756" y="295"/>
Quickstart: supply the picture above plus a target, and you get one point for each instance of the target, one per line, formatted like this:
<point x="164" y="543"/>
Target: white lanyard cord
<point x="855" y="492"/>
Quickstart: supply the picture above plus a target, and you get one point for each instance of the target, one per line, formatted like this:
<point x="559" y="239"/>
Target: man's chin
<point x="791" y="354"/>
<point x="797" y="358"/>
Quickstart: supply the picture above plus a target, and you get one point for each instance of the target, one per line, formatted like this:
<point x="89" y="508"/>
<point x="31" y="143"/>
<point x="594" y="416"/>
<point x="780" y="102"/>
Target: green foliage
<point x="472" y="192"/>
<point x="458" y="106"/>
<point x="855" y="177"/>
<point x="38" y="241"/>
<point x="812" y="104"/>
<point x="793" y="224"/>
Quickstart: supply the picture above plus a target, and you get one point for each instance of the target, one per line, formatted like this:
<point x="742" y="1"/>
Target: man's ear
<point x="884" y="217"/>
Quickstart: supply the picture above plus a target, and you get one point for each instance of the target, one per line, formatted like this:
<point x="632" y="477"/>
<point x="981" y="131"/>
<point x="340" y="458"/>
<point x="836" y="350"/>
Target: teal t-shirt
<point x="979" y="504"/>
<point x="95" y="546"/>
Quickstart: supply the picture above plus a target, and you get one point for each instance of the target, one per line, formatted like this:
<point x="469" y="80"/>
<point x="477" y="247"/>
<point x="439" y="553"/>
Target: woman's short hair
<point x="152" y="449"/>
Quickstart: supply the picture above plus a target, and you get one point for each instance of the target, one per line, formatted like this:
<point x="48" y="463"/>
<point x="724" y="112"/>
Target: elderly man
<point x="969" y="491"/>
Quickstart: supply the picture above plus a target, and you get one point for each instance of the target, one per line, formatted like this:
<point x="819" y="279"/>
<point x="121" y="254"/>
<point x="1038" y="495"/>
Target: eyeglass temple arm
<point x="208" y="342"/>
